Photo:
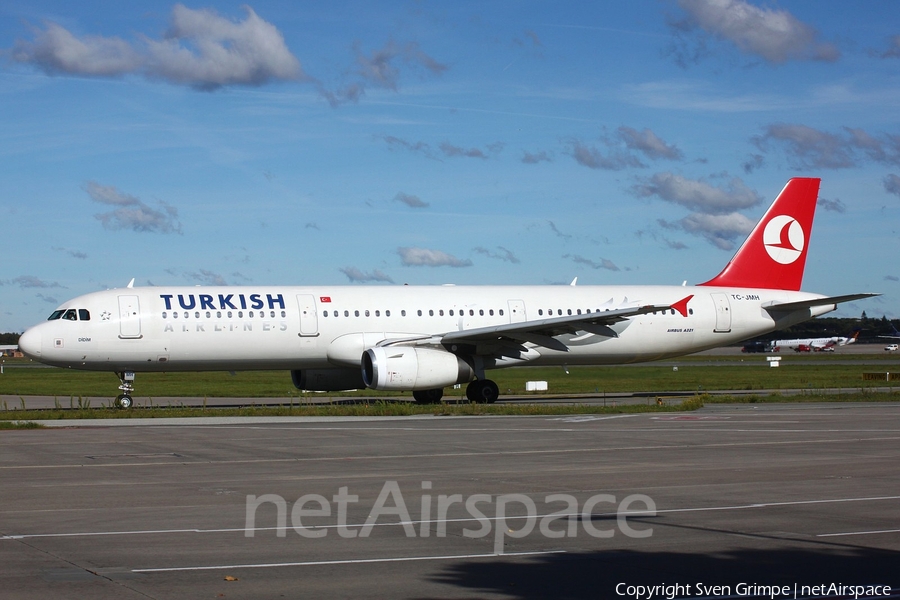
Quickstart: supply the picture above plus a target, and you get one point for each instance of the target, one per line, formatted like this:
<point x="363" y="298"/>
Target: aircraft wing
<point x="541" y="331"/>
<point x="791" y="306"/>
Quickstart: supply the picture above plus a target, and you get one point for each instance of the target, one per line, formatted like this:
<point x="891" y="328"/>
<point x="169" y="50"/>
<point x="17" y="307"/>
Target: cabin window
<point x="387" y="313"/>
<point x="441" y="312"/>
<point x="431" y="312"/>
<point x="570" y="311"/>
<point x="481" y="312"/>
<point x="451" y="312"/>
<point x="187" y="315"/>
<point x="229" y="314"/>
<point x="324" y="313"/>
<point x="377" y="313"/>
<point x="471" y="313"/>
<point x="346" y="313"/>
<point x="367" y="313"/>
<point x="355" y="313"/>
<point x="174" y="315"/>
<point x="164" y="315"/>
<point x="690" y="311"/>
<point x="208" y="314"/>
<point x="250" y="314"/>
<point x="579" y="311"/>
<point x="403" y="313"/>
<point x="218" y="314"/>
<point x="501" y="312"/>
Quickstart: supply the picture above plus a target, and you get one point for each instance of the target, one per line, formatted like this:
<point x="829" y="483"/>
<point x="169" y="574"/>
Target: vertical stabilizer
<point x="774" y="255"/>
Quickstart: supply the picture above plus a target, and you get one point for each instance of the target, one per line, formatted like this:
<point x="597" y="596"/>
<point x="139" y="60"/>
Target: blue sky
<point x="380" y="143"/>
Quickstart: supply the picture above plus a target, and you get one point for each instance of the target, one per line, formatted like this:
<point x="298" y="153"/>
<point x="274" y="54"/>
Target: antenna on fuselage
<point x="130" y="283"/>
<point x="574" y="281"/>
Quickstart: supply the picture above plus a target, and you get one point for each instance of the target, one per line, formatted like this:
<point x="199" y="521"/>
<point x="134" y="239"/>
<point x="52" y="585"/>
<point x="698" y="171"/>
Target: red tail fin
<point x="774" y="255"/>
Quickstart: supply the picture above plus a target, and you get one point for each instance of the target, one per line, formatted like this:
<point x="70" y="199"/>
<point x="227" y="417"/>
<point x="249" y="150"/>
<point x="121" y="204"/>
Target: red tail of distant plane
<point x="774" y="255"/>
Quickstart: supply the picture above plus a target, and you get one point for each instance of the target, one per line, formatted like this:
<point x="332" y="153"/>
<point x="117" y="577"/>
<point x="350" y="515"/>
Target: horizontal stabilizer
<point x="791" y="306"/>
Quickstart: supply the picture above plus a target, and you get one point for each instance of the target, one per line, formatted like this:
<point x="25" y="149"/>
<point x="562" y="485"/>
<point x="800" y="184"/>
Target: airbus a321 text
<point x="425" y="338"/>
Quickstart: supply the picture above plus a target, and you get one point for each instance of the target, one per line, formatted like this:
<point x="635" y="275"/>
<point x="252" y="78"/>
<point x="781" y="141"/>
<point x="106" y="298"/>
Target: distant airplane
<point x="425" y="338"/>
<point x="814" y="344"/>
<point x="895" y="335"/>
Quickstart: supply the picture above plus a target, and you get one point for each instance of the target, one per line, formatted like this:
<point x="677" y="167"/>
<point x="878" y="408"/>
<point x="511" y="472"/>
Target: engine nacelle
<point x="408" y="368"/>
<point x="328" y="380"/>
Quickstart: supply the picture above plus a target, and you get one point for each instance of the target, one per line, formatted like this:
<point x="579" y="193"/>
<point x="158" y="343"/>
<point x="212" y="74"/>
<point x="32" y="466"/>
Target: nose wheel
<point x="124" y="400"/>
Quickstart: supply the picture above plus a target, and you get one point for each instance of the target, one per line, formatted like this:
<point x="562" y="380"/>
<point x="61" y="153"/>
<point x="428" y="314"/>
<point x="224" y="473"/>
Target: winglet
<point x="681" y="305"/>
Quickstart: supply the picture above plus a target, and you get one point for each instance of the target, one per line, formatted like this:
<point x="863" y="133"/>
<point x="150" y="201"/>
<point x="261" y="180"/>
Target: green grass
<point x="695" y="374"/>
<point x="20" y="425"/>
<point x="375" y="408"/>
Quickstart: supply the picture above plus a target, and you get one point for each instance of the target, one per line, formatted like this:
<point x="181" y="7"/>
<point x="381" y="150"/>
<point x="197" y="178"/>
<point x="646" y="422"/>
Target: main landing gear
<point x="124" y="399"/>
<point x="428" y="396"/>
<point x="480" y="391"/>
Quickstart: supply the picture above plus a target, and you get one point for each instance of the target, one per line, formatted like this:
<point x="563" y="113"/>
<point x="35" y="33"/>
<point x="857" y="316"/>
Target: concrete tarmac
<point x="458" y="507"/>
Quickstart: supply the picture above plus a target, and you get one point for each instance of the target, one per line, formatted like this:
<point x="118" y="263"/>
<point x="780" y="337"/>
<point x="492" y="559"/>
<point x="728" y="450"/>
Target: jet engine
<point x="327" y="380"/>
<point x="408" y="368"/>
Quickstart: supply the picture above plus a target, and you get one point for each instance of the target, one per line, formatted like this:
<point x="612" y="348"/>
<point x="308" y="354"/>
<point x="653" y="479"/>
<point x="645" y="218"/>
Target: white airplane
<point x="814" y="344"/>
<point x="424" y="338"/>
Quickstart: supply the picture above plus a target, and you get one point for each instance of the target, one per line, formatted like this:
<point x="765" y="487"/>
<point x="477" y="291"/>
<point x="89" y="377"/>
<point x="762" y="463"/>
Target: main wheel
<point x="482" y="391"/>
<point x="124" y="401"/>
<point x="428" y="396"/>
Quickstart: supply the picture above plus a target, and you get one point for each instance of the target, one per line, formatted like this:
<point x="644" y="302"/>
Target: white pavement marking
<point x="854" y="440"/>
<point x="858" y="533"/>
<point x="357" y="561"/>
<point x="467" y="519"/>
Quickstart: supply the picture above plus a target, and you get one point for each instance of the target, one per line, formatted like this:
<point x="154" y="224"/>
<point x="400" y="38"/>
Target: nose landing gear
<point x="124" y="399"/>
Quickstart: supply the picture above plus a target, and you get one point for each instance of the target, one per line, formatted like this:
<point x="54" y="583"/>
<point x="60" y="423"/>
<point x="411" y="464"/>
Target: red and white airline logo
<point x="784" y="240"/>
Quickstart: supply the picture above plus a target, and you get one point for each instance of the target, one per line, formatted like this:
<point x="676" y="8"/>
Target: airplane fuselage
<point x="257" y="328"/>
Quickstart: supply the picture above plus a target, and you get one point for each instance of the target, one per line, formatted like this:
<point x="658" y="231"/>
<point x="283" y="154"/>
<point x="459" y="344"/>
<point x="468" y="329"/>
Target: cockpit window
<point x="84" y="314"/>
<point x="70" y="315"/>
<point x="56" y="315"/>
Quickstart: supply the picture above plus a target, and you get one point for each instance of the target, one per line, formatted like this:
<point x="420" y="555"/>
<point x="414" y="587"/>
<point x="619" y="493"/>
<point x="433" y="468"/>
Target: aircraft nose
<point x="30" y="343"/>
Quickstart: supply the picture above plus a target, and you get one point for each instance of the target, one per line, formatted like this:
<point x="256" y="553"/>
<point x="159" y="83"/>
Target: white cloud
<point x="892" y="184"/>
<point x="603" y="263"/>
<point x="698" y="195"/>
<point x="30" y="281"/>
<point x="808" y="148"/>
<point x="206" y="277"/>
<point x="720" y="230"/>
<point x="774" y="35"/>
<point x="57" y="51"/>
<point x="424" y="257"/>
<point x="200" y="49"/>
<point x="648" y="143"/>
<point x="504" y="254"/>
<point x="358" y="276"/>
<point x="132" y="213"/>
<point x="410" y="200"/>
